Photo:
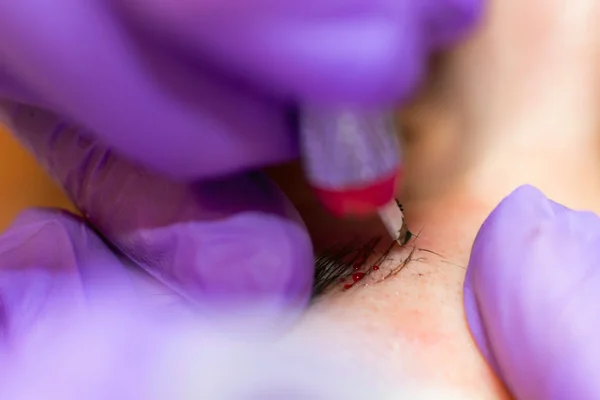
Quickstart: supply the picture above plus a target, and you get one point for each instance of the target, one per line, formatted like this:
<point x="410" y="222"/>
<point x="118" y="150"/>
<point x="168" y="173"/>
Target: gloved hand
<point x="532" y="294"/>
<point x="200" y="90"/>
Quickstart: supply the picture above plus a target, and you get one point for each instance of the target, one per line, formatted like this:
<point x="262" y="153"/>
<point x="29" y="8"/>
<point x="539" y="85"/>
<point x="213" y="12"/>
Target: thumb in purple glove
<point x="531" y="297"/>
<point x="229" y="242"/>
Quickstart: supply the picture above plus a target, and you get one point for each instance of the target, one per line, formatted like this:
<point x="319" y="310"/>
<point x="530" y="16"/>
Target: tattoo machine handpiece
<point x="352" y="160"/>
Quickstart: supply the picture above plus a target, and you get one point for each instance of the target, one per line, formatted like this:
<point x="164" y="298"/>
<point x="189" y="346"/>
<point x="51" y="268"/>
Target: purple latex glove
<point x="532" y="294"/>
<point x="199" y="90"/>
<point x="226" y="242"/>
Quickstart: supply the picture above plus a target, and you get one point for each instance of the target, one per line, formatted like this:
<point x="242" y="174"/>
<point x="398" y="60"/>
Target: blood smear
<point x="358" y="276"/>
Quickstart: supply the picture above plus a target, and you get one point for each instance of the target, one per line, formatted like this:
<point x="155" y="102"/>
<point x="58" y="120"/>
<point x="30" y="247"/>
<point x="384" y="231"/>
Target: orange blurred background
<point x="23" y="183"/>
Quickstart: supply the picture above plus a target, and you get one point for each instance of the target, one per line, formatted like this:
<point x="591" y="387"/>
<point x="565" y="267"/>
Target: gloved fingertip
<point x="526" y="203"/>
<point x="255" y="256"/>
<point x="508" y="226"/>
<point x="244" y="262"/>
<point x="527" y="294"/>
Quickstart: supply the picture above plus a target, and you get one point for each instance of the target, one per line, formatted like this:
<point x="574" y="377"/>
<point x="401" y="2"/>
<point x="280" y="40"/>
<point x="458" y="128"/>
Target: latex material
<point x="234" y="241"/>
<point x="531" y="297"/>
<point x="197" y="89"/>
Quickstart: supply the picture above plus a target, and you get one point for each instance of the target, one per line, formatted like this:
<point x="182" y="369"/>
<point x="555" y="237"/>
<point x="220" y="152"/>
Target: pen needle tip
<point x="393" y="218"/>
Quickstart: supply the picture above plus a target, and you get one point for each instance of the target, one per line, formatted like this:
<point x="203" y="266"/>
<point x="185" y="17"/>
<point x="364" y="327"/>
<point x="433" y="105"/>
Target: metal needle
<point x="393" y="218"/>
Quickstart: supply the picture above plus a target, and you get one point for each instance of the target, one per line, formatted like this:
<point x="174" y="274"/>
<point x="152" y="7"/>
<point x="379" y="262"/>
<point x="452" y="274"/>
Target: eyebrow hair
<point x="342" y="260"/>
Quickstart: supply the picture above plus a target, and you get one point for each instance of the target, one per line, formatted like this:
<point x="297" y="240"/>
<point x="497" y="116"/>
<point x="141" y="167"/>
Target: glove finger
<point x="150" y="104"/>
<point x="531" y="294"/>
<point x="232" y="241"/>
<point x="51" y="260"/>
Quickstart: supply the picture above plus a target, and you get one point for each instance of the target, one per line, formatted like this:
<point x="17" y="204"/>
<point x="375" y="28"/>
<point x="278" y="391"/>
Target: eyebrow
<point x="339" y="262"/>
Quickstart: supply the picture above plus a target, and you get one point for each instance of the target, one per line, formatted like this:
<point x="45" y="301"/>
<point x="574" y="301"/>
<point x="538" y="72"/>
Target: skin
<point x="516" y="104"/>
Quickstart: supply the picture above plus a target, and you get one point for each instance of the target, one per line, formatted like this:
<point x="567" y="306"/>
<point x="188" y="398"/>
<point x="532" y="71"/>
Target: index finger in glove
<point x="531" y="297"/>
<point x="232" y="242"/>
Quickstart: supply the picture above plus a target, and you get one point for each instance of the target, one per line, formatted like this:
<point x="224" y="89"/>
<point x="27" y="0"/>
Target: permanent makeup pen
<point x="352" y="160"/>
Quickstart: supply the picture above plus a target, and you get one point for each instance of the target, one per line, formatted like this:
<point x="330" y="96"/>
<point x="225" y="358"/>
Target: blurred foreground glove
<point x="119" y="354"/>
<point x="532" y="293"/>
<point x="199" y="90"/>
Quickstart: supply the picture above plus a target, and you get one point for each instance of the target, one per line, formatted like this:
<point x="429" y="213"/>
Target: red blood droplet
<point x="358" y="276"/>
<point x="375" y="267"/>
<point x="356" y="267"/>
<point x="348" y="286"/>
